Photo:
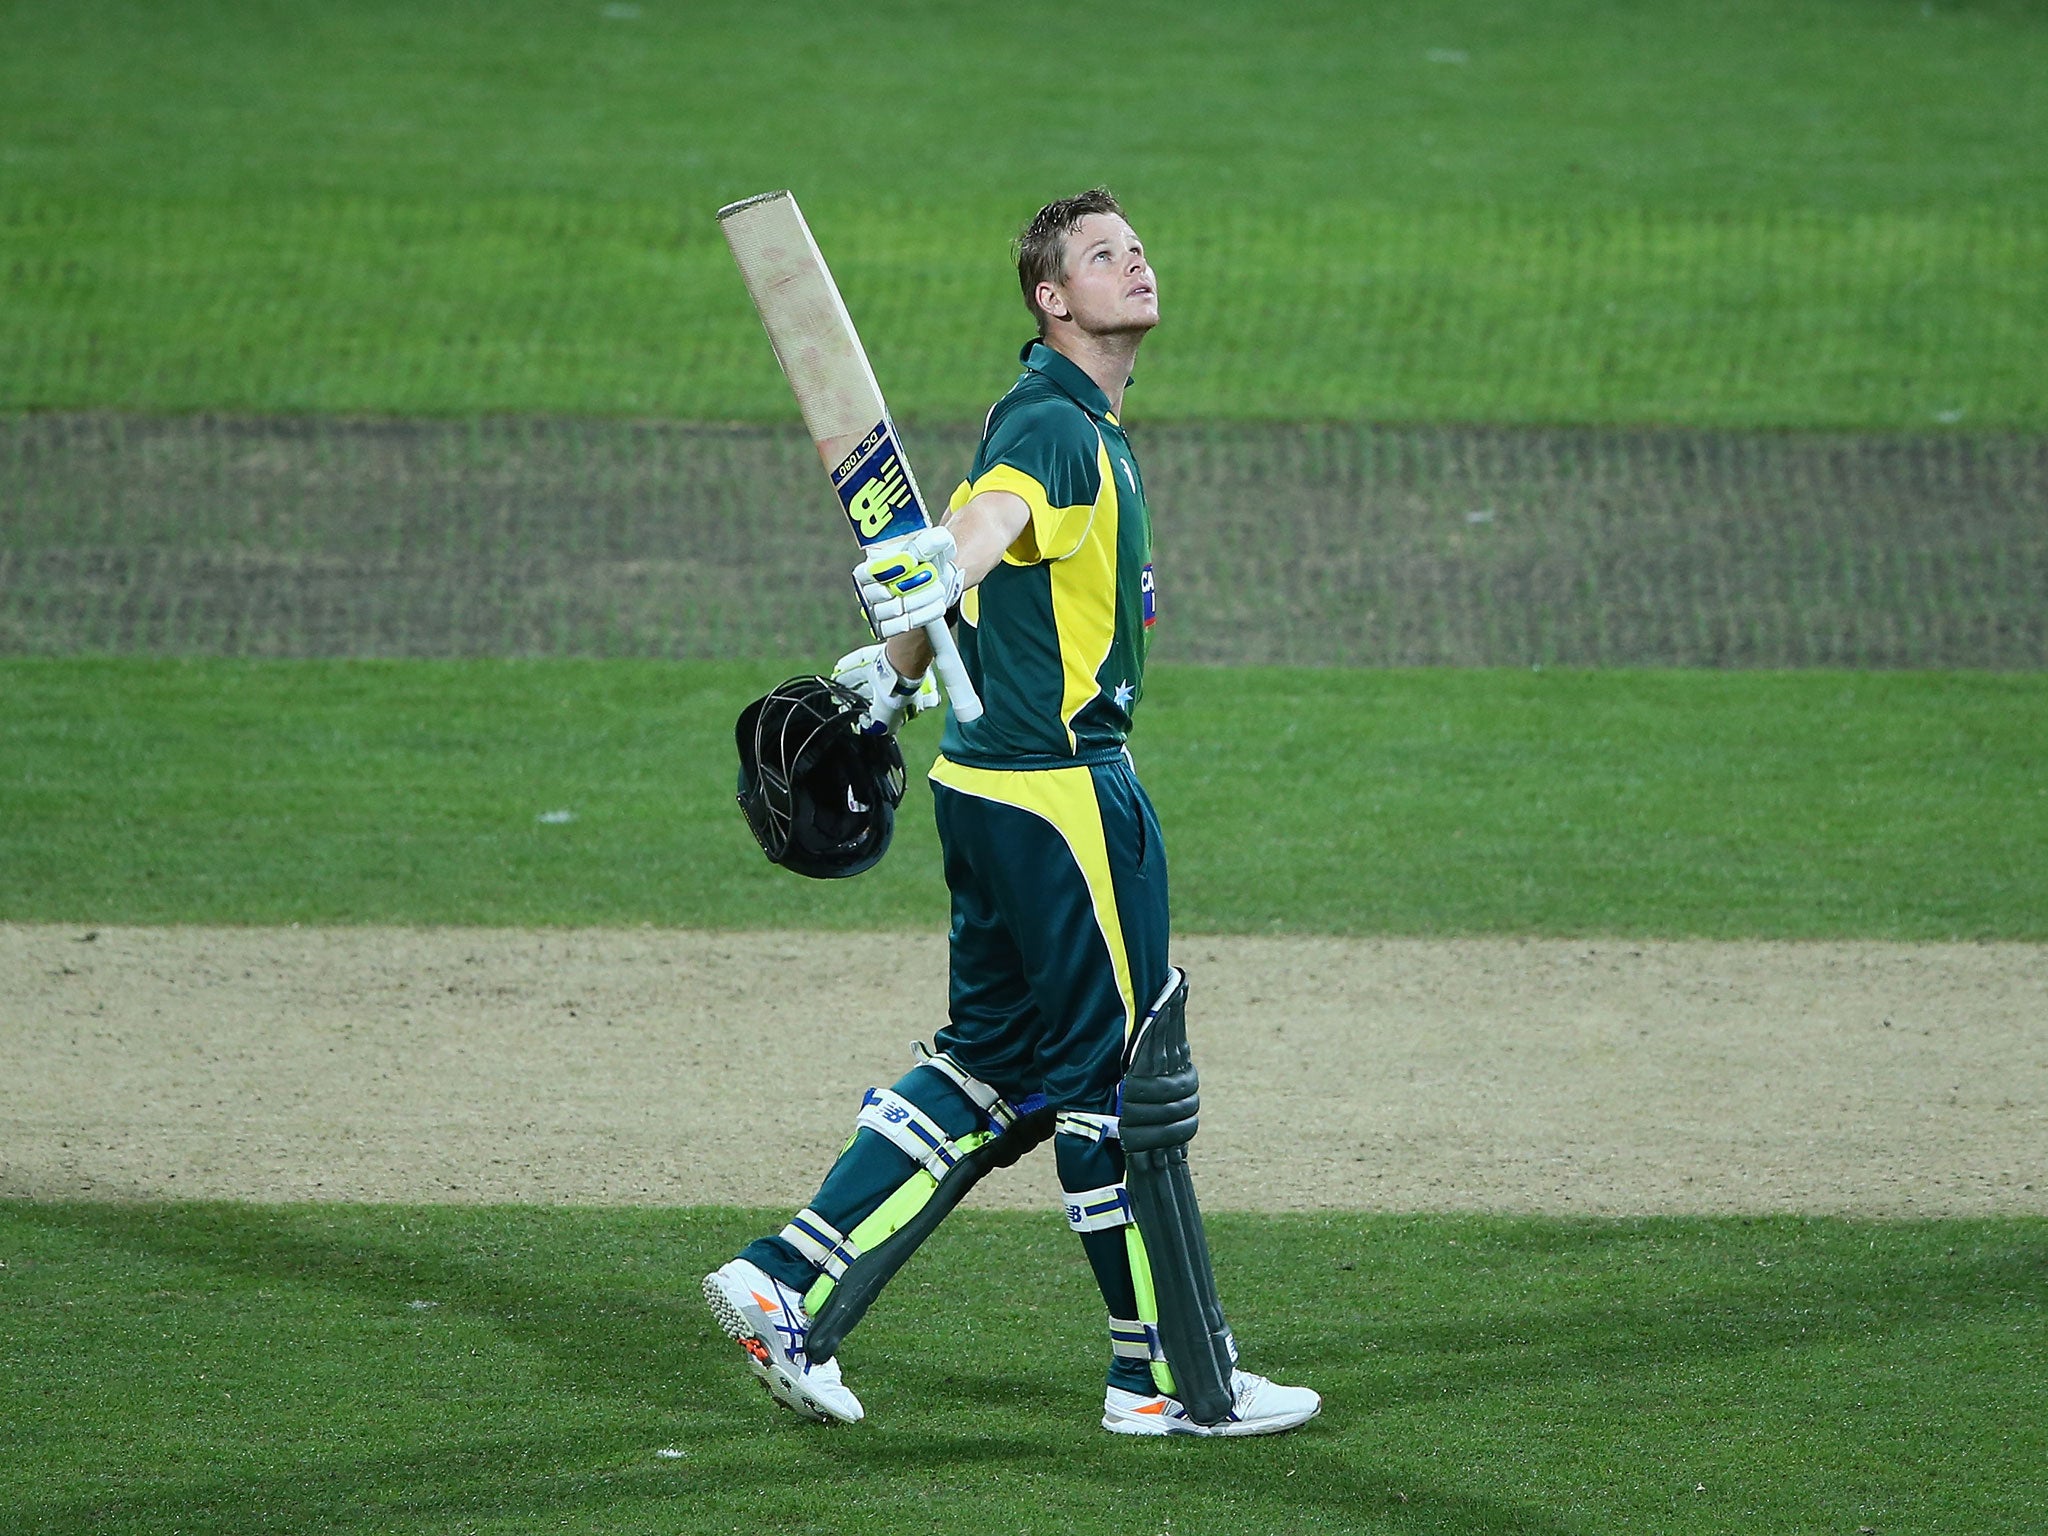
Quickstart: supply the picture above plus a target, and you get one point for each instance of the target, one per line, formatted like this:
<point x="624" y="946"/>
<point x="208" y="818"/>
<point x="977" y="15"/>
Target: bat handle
<point x="953" y="673"/>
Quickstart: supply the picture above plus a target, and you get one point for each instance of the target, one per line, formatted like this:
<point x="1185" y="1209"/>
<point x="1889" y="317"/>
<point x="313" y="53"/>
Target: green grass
<point x="1782" y="805"/>
<point x="233" y="1369"/>
<point x="1766" y="212"/>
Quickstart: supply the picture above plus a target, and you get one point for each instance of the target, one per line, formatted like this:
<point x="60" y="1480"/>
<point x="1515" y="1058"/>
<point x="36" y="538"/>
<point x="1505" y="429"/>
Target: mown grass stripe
<point x="1326" y="543"/>
<point x="560" y="303"/>
<point x="1672" y="804"/>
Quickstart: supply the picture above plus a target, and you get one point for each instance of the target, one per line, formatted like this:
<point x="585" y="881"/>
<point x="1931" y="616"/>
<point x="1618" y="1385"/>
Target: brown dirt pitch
<point x="659" y="1067"/>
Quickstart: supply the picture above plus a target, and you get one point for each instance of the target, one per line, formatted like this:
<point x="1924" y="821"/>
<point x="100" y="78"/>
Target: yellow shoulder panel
<point x="1053" y="533"/>
<point x="1084" y="602"/>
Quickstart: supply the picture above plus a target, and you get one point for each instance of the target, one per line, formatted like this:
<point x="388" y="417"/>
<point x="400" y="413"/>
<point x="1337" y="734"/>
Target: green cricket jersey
<point x="1055" y="636"/>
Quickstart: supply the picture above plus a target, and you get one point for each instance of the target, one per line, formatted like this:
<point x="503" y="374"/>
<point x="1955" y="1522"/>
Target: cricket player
<point x="1058" y="878"/>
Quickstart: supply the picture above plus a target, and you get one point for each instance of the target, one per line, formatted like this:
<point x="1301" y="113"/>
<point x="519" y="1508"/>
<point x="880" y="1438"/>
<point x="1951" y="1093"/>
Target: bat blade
<point x="836" y="390"/>
<point x="826" y="365"/>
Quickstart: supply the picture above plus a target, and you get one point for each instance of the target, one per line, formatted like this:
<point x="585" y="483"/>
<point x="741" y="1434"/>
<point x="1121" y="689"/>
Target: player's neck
<point x="1106" y="359"/>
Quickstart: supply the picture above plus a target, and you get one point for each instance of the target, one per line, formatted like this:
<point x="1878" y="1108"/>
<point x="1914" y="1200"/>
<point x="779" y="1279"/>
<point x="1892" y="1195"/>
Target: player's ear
<point x="1052" y="302"/>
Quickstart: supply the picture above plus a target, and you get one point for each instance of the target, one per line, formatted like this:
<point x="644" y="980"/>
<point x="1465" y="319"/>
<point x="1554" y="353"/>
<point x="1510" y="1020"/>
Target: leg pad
<point x="1161" y="1106"/>
<point x="861" y="1281"/>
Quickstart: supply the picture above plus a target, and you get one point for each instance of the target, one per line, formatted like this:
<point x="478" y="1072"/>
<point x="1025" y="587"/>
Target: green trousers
<point x="1058" y="942"/>
<point x="1059" y="931"/>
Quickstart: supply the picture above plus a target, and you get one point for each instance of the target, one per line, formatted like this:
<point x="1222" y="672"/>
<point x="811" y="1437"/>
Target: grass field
<point x="1756" y="215"/>
<point x="227" y="1369"/>
<point x="1806" y="213"/>
<point x="1731" y="805"/>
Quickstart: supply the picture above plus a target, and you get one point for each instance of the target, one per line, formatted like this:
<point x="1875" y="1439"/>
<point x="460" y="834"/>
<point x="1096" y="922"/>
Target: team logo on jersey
<point x="1151" y="598"/>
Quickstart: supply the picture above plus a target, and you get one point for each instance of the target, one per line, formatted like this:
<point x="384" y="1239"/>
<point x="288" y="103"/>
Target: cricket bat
<point x="835" y="388"/>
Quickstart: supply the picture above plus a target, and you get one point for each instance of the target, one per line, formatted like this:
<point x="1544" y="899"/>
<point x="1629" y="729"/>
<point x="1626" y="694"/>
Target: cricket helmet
<point x="819" y="792"/>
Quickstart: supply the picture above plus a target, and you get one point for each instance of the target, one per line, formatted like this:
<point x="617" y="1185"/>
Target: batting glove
<point x="868" y="673"/>
<point x="910" y="583"/>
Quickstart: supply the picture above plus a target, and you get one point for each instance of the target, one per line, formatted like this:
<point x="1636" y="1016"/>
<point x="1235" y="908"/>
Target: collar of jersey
<point x="1068" y="375"/>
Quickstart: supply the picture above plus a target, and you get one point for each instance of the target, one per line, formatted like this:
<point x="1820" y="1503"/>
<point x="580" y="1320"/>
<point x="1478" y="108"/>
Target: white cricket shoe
<point x="1262" y="1407"/>
<point x="769" y="1321"/>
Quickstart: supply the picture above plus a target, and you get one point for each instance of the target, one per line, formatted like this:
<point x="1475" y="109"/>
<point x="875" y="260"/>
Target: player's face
<point x="1107" y="285"/>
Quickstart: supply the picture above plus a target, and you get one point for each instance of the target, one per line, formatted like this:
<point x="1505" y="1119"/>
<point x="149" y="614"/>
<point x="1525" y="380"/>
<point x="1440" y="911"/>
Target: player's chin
<point x="1139" y="317"/>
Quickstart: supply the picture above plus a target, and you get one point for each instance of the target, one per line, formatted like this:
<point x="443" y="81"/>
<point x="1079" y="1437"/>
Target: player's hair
<point x="1042" y="246"/>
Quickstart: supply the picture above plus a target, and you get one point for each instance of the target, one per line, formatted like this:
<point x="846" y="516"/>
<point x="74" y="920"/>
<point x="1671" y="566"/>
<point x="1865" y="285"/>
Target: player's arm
<point x="981" y="530"/>
<point x="1035" y="501"/>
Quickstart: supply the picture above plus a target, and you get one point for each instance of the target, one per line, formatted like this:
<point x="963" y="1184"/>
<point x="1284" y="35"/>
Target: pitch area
<point x="1616" y="1077"/>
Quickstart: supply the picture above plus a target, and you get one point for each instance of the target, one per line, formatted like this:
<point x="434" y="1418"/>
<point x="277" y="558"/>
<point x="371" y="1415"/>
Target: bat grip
<point x="953" y="672"/>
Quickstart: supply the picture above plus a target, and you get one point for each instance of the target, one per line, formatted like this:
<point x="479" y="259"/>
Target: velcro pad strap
<point x="985" y="1098"/>
<point x="819" y="1241"/>
<point x="1130" y="1339"/>
<point x="891" y="1116"/>
<point x="1099" y="1210"/>
<point x="1090" y="1128"/>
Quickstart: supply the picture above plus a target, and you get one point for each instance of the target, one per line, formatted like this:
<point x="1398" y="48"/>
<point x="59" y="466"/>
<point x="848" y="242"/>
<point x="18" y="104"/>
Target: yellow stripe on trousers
<point x="1064" y="798"/>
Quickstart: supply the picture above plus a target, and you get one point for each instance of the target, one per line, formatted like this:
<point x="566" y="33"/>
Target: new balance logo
<point x="876" y="502"/>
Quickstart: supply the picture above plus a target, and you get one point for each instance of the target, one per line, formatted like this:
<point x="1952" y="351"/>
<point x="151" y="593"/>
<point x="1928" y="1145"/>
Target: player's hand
<point x="891" y="697"/>
<point x="909" y="583"/>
